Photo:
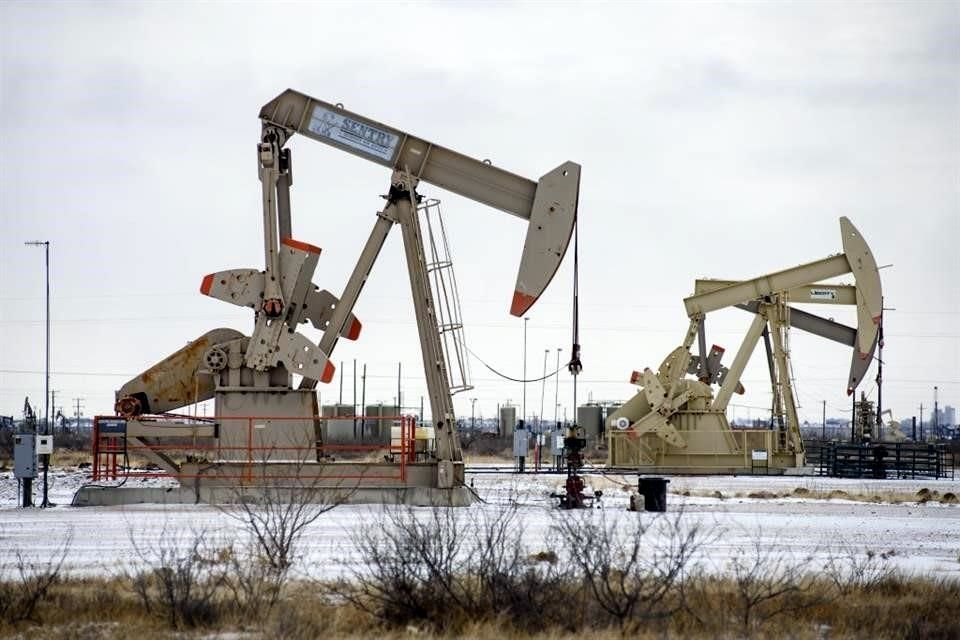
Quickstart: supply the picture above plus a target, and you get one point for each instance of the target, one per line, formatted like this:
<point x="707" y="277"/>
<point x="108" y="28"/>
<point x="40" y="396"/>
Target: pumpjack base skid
<point x="238" y="457"/>
<point x="337" y="482"/>
<point x="418" y="496"/>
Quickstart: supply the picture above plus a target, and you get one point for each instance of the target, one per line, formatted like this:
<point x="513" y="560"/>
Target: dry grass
<point x="105" y="608"/>
<point x="922" y="496"/>
<point x="70" y="458"/>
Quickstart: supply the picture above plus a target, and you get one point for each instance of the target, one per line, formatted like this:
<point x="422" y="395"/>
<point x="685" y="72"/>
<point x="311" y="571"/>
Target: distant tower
<point x="936" y="414"/>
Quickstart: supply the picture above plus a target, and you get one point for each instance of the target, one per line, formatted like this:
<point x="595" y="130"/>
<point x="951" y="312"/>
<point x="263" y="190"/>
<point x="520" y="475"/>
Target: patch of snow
<point x="924" y="538"/>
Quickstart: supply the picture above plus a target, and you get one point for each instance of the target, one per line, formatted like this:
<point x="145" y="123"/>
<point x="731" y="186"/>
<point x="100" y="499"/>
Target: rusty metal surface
<point x="173" y="382"/>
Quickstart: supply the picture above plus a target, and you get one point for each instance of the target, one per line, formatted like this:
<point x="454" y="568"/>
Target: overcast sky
<point x="718" y="140"/>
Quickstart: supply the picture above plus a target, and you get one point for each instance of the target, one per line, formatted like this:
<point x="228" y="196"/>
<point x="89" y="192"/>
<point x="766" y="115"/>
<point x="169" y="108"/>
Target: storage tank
<point x="508" y="420"/>
<point x="339" y="431"/>
<point x="590" y="419"/>
<point x="379" y="419"/>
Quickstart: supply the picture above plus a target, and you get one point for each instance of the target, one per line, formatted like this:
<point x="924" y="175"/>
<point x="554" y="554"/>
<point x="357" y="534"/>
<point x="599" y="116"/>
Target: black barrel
<point x="654" y="492"/>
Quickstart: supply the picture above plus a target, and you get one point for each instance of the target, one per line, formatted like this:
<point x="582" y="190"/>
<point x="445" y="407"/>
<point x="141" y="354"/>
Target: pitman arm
<point x="549" y="205"/>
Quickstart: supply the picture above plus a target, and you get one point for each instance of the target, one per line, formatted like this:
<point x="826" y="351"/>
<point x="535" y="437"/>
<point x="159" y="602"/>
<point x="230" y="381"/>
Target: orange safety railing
<point x="111" y="447"/>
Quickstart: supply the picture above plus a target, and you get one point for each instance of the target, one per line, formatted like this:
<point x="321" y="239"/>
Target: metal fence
<point x="881" y="460"/>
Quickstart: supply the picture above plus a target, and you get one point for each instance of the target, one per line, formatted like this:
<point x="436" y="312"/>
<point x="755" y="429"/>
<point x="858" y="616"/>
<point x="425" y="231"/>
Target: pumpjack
<point x="677" y="423"/>
<point x="258" y="405"/>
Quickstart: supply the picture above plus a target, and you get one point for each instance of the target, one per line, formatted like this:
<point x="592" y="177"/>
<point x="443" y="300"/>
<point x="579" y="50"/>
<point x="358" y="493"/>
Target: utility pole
<point x="354" y="399"/>
<point x="556" y="389"/>
<point x="46" y="393"/>
<point x="77" y="414"/>
<point x="473" y="406"/>
<point x="543" y="389"/>
<point x="936" y="415"/>
<point x="824" y="436"/>
<point x="523" y="410"/>
<point x="53" y="408"/>
<point x="921" y="422"/>
<point x="363" y="404"/>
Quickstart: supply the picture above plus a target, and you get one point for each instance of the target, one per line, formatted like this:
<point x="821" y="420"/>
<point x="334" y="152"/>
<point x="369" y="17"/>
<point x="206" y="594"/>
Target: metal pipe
<point x="46" y="392"/>
<point x="543" y="389"/>
<point x="556" y="392"/>
<point x="524" y="408"/>
<point x="354" y="398"/>
<point x="363" y="403"/>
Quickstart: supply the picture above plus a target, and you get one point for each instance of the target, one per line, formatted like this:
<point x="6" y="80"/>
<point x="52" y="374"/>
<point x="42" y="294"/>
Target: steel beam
<point x="805" y="294"/>
<point x="767" y="285"/>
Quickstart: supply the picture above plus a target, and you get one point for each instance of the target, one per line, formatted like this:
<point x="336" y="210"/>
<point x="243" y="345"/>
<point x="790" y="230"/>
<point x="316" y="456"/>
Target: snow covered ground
<point x="923" y="538"/>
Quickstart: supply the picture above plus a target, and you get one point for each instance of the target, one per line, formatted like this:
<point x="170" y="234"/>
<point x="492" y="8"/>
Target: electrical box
<point x="44" y="445"/>
<point x="24" y="456"/>
<point x="521" y="443"/>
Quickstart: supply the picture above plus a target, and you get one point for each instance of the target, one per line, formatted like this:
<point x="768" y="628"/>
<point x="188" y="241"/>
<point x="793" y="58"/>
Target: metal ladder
<point x="443" y="284"/>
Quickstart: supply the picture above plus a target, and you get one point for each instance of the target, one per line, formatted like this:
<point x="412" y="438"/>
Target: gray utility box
<point x="24" y="456"/>
<point x="521" y="443"/>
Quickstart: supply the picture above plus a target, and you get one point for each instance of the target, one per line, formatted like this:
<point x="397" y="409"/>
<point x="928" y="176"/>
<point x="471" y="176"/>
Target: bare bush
<point x="275" y="514"/>
<point x="442" y="568"/>
<point x="508" y="580"/>
<point x="632" y="568"/>
<point x="182" y="580"/>
<point x="20" y="597"/>
<point x="408" y="573"/>
<point x="849" y="570"/>
<point x="767" y="583"/>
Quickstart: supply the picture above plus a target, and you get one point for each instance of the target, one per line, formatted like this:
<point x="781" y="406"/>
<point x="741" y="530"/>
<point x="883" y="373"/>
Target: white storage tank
<point x="508" y="419"/>
<point x="590" y="419"/>
<point x="379" y="419"/>
<point x="344" y="431"/>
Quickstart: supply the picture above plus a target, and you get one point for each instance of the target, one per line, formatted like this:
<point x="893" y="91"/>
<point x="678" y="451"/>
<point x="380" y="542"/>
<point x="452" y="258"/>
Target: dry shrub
<point x="19" y="598"/>
<point x="849" y="570"/>
<point x="275" y="515"/>
<point x="182" y="581"/>
<point x="758" y="585"/>
<point x="631" y="568"/>
<point x="90" y="630"/>
<point x="442" y="569"/>
<point x="899" y="607"/>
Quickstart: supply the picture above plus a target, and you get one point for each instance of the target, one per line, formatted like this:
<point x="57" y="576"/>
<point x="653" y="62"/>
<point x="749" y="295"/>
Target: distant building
<point x="949" y="417"/>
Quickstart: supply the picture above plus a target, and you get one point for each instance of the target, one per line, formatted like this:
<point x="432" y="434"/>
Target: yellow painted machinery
<point x="677" y="422"/>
